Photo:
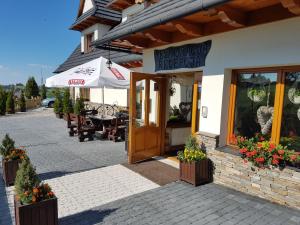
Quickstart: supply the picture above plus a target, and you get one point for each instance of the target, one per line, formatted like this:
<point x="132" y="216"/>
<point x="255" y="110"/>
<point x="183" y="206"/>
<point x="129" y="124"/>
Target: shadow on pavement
<point x="5" y="218"/>
<point x="89" y="217"/>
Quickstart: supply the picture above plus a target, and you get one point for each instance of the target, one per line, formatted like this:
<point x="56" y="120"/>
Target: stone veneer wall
<point x="273" y="184"/>
<point x="280" y="186"/>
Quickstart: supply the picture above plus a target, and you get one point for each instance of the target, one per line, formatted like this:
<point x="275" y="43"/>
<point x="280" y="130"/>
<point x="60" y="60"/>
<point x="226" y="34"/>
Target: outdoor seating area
<point x="105" y="120"/>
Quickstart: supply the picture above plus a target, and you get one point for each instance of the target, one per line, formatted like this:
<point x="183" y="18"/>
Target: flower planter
<point x="195" y="173"/>
<point x="10" y="169"/>
<point x="41" y="213"/>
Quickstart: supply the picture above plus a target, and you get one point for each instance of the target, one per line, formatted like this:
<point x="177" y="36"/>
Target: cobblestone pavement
<point x="181" y="203"/>
<point x="52" y="151"/>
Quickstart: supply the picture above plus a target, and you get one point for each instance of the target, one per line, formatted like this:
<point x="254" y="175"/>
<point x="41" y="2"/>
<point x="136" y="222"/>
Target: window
<point x="290" y="122"/>
<point x="266" y="101"/>
<point x="85" y="94"/>
<point x="89" y="38"/>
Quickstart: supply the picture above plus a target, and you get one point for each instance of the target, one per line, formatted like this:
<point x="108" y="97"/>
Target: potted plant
<point x="79" y="106"/>
<point x="33" y="198"/>
<point x="58" y="105"/>
<point x="67" y="104"/>
<point x="256" y="95"/>
<point x="194" y="164"/>
<point x="11" y="157"/>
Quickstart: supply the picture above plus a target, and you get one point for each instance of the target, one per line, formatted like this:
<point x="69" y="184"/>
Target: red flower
<point x="275" y="156"/>
<point x="260" y="159"/>
<point x="259" y="145"/>
<point x="275" y="162"/>
<point x="272" y="147"/>
<point x="249" y="154"/>
<point x="261" y="138"/>
<point x="242" y="139"/>
<point x="293" y="157"/>
<point x="243" y="150"/>
<point x="280" y="152"/>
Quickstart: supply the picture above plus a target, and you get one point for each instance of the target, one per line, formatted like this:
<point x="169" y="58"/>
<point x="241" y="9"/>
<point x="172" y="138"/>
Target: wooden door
<point x="145" y="127"/>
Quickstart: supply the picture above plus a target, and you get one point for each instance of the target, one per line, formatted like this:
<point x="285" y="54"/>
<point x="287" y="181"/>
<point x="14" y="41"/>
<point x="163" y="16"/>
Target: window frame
<point x="88" y="42"/>
<point x="278" y="101"/>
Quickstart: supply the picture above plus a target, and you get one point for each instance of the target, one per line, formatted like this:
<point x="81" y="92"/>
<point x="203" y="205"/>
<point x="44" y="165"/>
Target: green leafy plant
<point x="43" y="91"/>
<point x="192" y="151"/>
<point x="58" y="104"/>
<point x="28" y="187"/>
<point x="8" y="150"/>
<point x="31" y="88"/>
<point x="10" y="102"/>
<point x="67" y="102"/>
<point x="79" y="106"/>
<point x="297" y="92"/>
<point x="8" y="144"/>
<point x="257" y="92"/>
<point x="3" y="96"/>
<point x="22" y="102"/>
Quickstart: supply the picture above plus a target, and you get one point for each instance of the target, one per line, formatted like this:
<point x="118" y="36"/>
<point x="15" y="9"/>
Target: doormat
<point x="158" y="172"/>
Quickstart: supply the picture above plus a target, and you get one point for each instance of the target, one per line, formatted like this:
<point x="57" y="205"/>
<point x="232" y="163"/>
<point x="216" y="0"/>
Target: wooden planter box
<point x="41" y="213"/>
<point x="10" y="169"/>
<point x="195" y="173"/>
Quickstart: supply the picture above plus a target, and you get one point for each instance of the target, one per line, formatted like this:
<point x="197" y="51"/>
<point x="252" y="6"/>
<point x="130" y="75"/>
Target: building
<point x="236" y="67"/>
<point x="93" y="21"/>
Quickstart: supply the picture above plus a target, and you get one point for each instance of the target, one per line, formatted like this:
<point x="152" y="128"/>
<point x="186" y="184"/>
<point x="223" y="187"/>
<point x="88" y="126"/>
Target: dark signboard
<point x="186" y="56"/>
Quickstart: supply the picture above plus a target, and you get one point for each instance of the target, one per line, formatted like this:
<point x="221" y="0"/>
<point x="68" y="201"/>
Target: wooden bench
<point x="72" y="124"/>
<point x="85" y="129"/>
<point x="117" y="129"/>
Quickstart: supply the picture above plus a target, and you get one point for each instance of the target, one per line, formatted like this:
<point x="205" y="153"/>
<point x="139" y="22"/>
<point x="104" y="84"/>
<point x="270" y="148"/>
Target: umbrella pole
<point x="104" y="109"/>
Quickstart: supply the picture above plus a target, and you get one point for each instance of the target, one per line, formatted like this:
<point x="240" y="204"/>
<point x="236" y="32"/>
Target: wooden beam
<point x="232" y="17"/>
<point x="292" y="5"/>
<point x="191" y="29"/>
<point x="229" y="16"/>
<point x="157" y="36"/>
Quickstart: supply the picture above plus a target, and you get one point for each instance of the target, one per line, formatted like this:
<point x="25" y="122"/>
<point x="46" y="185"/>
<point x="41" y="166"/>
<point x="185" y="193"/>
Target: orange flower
<point x="33" y="199"/>
<point x="280" y="152"/>
<point x="35" y="190"/>
<point x="50" y="194"/>
<point x="26" y="193"/>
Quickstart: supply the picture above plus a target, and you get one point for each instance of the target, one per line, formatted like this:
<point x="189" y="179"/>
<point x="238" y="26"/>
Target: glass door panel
<point x="290" y="123"/>
<point x="153" y="104"/>
<point x="140" y="103"/>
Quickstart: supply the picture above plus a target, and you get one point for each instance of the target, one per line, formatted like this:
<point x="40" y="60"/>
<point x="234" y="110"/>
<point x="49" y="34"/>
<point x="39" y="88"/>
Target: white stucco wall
<point x="111" y="96"/>
<point x="88" y="4"/>
<point x="273" y="44"/>
<point x="98" y="29"/>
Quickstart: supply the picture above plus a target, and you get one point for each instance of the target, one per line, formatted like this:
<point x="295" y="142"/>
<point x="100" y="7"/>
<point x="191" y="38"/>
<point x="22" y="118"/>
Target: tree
<point x="79" y="106"/>
<point x="31" y="88"/>
<point x="22" y="102"/>
<point x="43" y="91"/>
<point x="58" y="105"/>
<point x="67" y="102"/>
<point x="2" y="101"/>
<point x="10" y="102"/>
<point x="7" y="145"/>
<point x="26" y="181"/>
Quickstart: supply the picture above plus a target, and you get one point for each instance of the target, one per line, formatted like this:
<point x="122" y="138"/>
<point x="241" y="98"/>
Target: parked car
<point x="48" y="102"/>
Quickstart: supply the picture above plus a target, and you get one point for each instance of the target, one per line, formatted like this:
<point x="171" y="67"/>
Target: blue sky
<point x="35" y="36"/>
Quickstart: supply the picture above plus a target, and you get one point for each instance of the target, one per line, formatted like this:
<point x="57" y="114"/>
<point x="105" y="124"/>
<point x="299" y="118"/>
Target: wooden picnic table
<point x="101" y="122"/>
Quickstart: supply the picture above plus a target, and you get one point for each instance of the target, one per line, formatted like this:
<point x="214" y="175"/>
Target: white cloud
<point x="39" y="65"/>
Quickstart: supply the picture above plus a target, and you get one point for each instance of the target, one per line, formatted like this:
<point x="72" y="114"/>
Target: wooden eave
<point x="120" y="5"/>
<point x="236" y="14"/>
<point x="90" y="21"/>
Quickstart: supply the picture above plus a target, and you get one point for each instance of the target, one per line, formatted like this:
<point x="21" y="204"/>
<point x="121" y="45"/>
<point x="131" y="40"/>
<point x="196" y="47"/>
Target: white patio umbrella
<point x="93" y="74"/>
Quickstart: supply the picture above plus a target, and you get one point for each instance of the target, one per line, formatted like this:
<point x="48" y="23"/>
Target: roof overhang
<point x="174" y="21"/>
<point x="120" y="5"/>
